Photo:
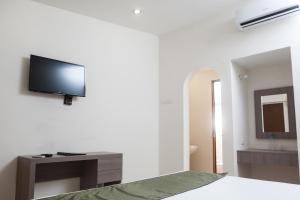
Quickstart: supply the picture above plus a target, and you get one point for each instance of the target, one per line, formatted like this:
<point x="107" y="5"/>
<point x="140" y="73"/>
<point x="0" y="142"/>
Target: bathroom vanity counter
<point x="267" y="157"/>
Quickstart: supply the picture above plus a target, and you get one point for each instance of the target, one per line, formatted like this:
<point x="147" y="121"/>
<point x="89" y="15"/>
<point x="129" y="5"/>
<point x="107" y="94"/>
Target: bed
<point x="236" y="188"/>
<point x="189" y="186"/>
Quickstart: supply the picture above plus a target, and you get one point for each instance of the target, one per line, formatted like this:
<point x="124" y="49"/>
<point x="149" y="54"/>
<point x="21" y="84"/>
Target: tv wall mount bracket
<point x="68" y="100"/>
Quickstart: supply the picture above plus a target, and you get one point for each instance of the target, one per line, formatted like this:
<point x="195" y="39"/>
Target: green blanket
<point x="149" y="189"/>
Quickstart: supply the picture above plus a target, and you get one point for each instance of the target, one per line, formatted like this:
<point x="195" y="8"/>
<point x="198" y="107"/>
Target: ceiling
<point x="158" y="16"/>
<point x="279" y="57"/>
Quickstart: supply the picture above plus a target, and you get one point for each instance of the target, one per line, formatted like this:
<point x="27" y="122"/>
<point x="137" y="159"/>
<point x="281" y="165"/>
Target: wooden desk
<point x="101" y="168"/>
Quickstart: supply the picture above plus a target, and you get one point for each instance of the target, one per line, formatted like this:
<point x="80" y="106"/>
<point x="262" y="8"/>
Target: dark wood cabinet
<point x="94" y="169"/>
<point x="267" y="157"/>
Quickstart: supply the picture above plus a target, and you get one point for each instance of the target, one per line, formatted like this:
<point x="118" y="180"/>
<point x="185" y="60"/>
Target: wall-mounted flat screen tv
<point x="58" y="77"/>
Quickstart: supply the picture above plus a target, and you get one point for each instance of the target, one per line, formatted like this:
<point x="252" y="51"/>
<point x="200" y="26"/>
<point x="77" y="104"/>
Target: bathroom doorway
<point x="205" y="121"/>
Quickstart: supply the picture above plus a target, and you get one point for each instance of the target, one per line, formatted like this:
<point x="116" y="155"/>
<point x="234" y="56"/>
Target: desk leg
<point x="88" y="178"/>
<point x="25" y="180"/>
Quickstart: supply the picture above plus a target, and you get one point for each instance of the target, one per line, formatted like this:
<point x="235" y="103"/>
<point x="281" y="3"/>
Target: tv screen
<point x="53" y="76"/>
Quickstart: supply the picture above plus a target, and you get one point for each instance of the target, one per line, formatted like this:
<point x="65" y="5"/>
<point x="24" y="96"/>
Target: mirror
<point x="275" y="113"/>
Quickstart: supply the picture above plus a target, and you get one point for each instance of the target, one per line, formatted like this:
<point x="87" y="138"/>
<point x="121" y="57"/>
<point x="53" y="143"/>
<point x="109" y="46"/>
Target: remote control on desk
<point x="70" y="154"/>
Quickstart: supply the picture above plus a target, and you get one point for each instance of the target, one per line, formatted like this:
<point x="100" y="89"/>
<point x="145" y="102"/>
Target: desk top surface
<point x="60" y="158"/>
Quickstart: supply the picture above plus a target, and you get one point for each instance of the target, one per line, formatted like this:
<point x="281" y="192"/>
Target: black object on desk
<point x="70" y="154"/>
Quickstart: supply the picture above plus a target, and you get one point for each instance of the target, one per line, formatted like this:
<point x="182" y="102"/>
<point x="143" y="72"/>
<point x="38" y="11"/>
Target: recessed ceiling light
<point x="137" y="11"/>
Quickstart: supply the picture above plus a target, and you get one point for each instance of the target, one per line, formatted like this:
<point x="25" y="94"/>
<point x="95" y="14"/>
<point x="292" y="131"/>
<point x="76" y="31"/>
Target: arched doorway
<point x="204" y="114"/>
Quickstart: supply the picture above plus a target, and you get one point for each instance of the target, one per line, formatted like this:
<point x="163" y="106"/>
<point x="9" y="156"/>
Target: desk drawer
<point x="110" y="163"/>
<point x="109" y="176"/>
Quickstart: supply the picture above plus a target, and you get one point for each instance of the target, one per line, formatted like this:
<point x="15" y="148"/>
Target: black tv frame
<point x="68" y="98"/>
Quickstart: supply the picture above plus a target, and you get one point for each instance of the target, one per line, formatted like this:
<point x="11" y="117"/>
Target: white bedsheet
<point x="235" y="188"/>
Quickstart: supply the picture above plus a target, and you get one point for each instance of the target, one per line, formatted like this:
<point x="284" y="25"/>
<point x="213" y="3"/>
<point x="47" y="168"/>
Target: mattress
<point x="191" y="186"/>
<point x="236" y="188"/>
<point x="151" y="189"/>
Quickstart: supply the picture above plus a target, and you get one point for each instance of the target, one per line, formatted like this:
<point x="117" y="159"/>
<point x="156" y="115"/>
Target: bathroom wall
<point x="200" y="99"/>
<point x="265" y="78"/>
<point x="255" y="73"/>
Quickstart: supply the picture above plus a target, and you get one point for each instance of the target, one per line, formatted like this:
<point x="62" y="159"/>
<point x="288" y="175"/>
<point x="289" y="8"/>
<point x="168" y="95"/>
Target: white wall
<point x="201" y="120"/>
<point x="120" y="112"/>
<point x="214" y="44"/>
<point x="239" y="110"/>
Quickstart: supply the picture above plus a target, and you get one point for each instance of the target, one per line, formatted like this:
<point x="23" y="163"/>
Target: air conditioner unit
<point x="263" y="11"/>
